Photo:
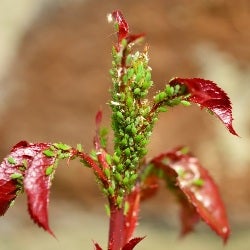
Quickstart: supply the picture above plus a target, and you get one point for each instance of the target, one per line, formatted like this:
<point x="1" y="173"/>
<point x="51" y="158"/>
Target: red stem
<point x="116" y="227"/>
<point x="121" y="225"/>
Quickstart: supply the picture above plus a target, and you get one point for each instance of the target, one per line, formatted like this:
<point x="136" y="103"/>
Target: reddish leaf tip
<point x="97" y="246"/>
<point x="123" y="29"/>
<point x="132" y="243"/>
<point x="98" y="118"/>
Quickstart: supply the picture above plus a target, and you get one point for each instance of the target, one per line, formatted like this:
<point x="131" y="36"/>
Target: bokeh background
<point x="54" y="62"/>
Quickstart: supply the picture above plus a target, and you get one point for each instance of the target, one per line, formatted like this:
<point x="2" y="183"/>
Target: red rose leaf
<point x="195" y="183"/>
<point x="25" y="168"/>
<point x="208" y="95"/>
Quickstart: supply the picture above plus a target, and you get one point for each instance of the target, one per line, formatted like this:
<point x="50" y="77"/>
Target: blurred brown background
<point x="54" y="62"/>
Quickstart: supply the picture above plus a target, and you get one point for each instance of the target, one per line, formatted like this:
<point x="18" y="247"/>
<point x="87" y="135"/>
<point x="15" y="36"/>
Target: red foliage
<point x="132" y="243"/>
<point x="7" y="194"/>
<point x="25" y="167"/>
<point x="208" y="95"/>
<point x="97" y="246"/>
<point x="194" y="188"/>
<point x="123" y="29"/>
<point x="30" y="167"/>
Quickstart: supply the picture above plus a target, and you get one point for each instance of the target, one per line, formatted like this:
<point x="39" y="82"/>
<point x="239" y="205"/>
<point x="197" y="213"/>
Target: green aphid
<point x="177" y="89"/>
<point x="135" y="160"/>
<point x="138" y="138"/>
<point x="143" y="142"/>
<point x="118" y="152"/>
<point x="79" y="147"/>
<point x="124" y="43"/>
<point x="109" y="159"/>
<point x="140" y="68"/>
<point x="198" y="182"/>
<point x="143" y="151"/>
<point x="169" y="90"/>
<point x="138" y="77"/>
<point x="119" y="200"/>
<point x="180" y="172"/>
<point x="127" y="152"/>
<point x="103" y="131"/>
<point x="124" y="142"/>
<point x="25" y="164"/>
<point x="93" y="155"/>
<point x="162" y="109"/>
<point x="126" y="207"/>
<point x="174" y="102"/>
<point x="210" y="111"/>
<point x="117" y="59"/>
<point x="103" y="142"/>
<point x="129" y="101"/>
<point x="128" y="173"/>
<point x="133" y="178"/>
<point x="125" y="79"/>
<point x="107" y="172"/>
<point x="119" y="115"/>
<point x="128" y="162"/>
<point x="147" y="84"/>
<point x="111" y="191"/>
<point x="185" y="103"/>
<point x="119" y="167"/>
<point x="160" y="97"/>
<point x="11" y="160"/>
<point x="112" y="72"/>
<point x="148" y="77"/>
<point x="116" y="159"/>
<point x="125" y="181"/>
<point x="132" y="113"/>
<point x="16" y="176"/>
<point x="49" y="170"/>
<point x="137" y="91"/>
<point x="130" y="73"/>
<point x="128" y="128"/>
<point x="107" y="209"/>
<point x="185" y="150"/>
<point x="118" y="177"/>
<point x="133" y="129"/>
<point x="131" y="141"/>
<point x="49" y="153"/>
<point x="155" y="119"/>
<point x="143" y="94"/>
<point x="121" y="97"/>
<point x="116" y="28"/>
<point x="63" y="155"/>
<point x="129" y="60"/>
<point x="113" y="64"/>
<point x="128" y="120"/>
